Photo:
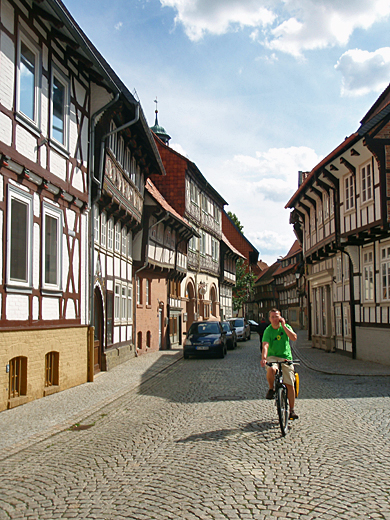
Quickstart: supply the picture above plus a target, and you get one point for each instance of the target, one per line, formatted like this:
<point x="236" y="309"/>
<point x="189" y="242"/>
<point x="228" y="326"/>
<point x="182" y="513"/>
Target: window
<point x="17" y="377"/>
<point x="110" y="308"/>
<point x="103" y="229"/>
<point x="19" y="241"/>
<point x="117" y="302"/>
<point x="52" y="369"/>
<point x="319" y="213"/>
<point x="366" y="182"/>
<point x="60" y="108"/>
<point x="148" y="339"/>
<point x="117" y="237"/>
<point x="29" y="73"/>
<point x="139" y="292"/>
<point x="349" y="193"/>
<point x="112" y="141"/>
<point x="129" y="245"/>
<point x="331" y="203"/>
<point x="52" y="247"/>
<point x="347" y="330"/>
<point x="96" y="222"/>
<point x="339" y="331"/>
<point x="110" y="234"/>
<point x="368" y="276"/>
<point x="326" y="205"/>
<point x="385" y="273"/>
<point x="121" y="151"/>
<point x="124" y="303"/>
<point x="129" y="303"/>
<point x="124" y="242"/>
<point x="147" y="292"/>
<point x="127" y="162"/>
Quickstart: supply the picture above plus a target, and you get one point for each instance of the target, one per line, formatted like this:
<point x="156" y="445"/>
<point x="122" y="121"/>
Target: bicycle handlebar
<point x="286" y="361"/>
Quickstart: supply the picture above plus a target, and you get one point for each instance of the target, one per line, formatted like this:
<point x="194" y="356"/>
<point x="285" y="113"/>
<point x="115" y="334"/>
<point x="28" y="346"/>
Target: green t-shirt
<point x="279" y="343"/>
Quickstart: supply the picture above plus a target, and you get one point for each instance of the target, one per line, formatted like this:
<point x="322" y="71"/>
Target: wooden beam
<point x="58" y="35"/>
<point x="47" y="16"/>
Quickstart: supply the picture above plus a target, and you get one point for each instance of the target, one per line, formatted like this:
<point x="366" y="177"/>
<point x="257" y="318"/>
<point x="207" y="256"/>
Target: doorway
<point x="98" y="335"/>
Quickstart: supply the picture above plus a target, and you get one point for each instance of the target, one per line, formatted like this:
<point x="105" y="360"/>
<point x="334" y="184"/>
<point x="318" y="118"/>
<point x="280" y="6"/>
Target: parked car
<point x="242" y="327"/>
<point x="253" y="325"/>
<point x="205" y="337"/>
<point x="231" y="335"/>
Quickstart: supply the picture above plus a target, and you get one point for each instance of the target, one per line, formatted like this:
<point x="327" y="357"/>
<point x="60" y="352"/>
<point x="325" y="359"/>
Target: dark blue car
<point x="205" y="337"/>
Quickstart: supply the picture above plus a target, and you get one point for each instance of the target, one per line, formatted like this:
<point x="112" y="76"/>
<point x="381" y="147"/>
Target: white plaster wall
<point x="65" y="262"/>
<point x="117" y="267"/>
<point x="17" y="307"/>
<point x="7" y="16"/>
<point x="50" y="308"/>
<point x="7" y="83"/>
<point x="58" y="165"/>
<point x="116" y="334"/>
<point x="78" y="179"/>
<point x="70" y="310"/>
<point x="84" y="270"/>
<point x="110" y="285"/>
<point x="76" y="263"/>
<point x="5" y="129"/>
<point x="73" y="132"/>
<point x="123" y="269"/>
<point x="36" y="256"/>
<point x="71" y="219"/>
<point x="35" y="308"/>
<point x="110" y="266"/>
<point x="26" y="143"/>
<point x="1" y="248"/>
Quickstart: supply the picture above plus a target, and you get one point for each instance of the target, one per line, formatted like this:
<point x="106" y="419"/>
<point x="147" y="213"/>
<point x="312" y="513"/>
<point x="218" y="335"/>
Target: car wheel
<point x="222" y="352"/>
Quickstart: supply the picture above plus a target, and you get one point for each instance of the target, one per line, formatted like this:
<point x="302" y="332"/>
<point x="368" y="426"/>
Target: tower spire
<point x="159" y="130"/>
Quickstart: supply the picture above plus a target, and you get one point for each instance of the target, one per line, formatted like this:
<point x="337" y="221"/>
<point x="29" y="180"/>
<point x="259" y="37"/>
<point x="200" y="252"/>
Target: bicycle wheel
<point x="281" y="403"/>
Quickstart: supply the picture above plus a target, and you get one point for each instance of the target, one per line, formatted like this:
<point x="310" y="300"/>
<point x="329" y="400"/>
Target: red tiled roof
<point x="231" y="247"/>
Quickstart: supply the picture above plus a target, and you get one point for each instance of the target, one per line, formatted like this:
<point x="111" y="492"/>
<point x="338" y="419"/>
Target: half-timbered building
<point x="160" y="265"/>
<point x="46" y="76"/>
<point x="192" y="196"/>
<point x="341" y="214"/>
<point x="229" y="256"/>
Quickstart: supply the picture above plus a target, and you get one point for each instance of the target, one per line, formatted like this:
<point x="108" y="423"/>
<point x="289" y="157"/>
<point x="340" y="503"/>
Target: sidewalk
<point x="32" y="422"/>
<point x="334" y="363"/>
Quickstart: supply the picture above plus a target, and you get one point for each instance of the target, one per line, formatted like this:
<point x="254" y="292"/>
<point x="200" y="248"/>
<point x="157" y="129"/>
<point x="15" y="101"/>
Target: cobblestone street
<point x="199" y="441"/>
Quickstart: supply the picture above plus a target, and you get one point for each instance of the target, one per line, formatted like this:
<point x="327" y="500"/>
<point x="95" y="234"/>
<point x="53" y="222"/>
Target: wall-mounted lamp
<point x="36" y="179"/>
<point x="79" y="203"/>
<point x="297" y="276"/>
<point x="53" y="189"/>
<point x="67" y="196"/>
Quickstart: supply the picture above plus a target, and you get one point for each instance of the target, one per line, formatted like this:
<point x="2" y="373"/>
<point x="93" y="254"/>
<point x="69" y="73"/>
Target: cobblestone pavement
<point x="199" y="441"/>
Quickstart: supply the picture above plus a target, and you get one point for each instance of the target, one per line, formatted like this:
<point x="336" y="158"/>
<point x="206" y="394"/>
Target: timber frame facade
<point x="341" y="214"/>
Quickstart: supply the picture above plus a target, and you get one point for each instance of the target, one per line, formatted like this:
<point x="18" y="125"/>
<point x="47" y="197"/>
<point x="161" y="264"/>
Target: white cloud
<point x="118" y="26"/>
<point x="364" y="71"/>
<point x="218" y="16"/>
<point x="258" y="187"/>
<point x="290" y="26"/>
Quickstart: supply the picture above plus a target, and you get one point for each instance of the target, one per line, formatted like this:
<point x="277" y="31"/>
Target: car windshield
<point x="238" y="323"/>
<point x="226" y="327"/>
<point x="204" y="328"/>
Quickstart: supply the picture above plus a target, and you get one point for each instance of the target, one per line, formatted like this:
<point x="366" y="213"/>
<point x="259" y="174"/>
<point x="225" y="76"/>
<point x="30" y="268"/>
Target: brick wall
<point x="235" y="237"/>
<point x="148" y="315"/>
<point x="35" y="344"/>
<point x="172" y="186"/>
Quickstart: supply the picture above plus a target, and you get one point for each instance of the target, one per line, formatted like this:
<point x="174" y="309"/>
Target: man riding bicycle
<point x="276" y="347"/>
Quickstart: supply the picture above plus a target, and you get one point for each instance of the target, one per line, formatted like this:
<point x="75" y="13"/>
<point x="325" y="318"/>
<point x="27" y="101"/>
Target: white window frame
<point x="368" y="276"/>
<point x="124" y="302"/>
<point x="339" y="326"/>
<point x="113" y="138"/>
<point x="349" y="192"/>
<point x="117" y="302"/>
<point x="129" y="245"/>
<point x="96" y="223"/>
<point x="110" y="234"/>
<point x="61" y="78"/>
<point x="55" y="213"/>
<point x="124" y="241"/>
<point x="130" y="303"/>
<point x="366" y="179"/>
<point x="147" y="292"/>
<point x="36" y="51"/>
<point x="385" y="273"/>
<point x="117" y="237"/>
<point x="27" y="199"/>
<point x="103" y="230"/>
<point x="325" y="205"/>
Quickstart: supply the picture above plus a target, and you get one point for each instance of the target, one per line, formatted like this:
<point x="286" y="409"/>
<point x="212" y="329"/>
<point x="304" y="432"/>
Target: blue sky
<point x="252" y="91"/>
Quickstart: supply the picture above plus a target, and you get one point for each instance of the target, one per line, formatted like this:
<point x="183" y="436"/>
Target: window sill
<point x="18" y="289"/>
<point x="54" y="293"/>
<point x="27" y="123"/>
<point x="13" y="402"/>
<point x="148" y="306"/>
<point x="49" y="390"/>
<point x="58" y="147"/>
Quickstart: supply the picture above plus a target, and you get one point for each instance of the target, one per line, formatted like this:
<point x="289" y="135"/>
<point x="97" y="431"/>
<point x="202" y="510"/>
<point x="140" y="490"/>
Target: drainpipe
<point x="91" y="163"/>
<point x="136" y="276"/>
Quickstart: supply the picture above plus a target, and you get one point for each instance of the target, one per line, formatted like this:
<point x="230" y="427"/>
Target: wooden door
<point x="98" y="338"/>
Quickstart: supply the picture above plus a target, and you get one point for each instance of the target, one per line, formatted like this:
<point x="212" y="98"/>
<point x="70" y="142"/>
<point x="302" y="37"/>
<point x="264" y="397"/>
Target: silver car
<point x="242" y="327"/>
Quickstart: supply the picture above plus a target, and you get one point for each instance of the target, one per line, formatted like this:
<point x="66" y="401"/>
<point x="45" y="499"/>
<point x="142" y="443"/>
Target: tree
<point x="245" y="280"/>
<point x="235" y="220"/>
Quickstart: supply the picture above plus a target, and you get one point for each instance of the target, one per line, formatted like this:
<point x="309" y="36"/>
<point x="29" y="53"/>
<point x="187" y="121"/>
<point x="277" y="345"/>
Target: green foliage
<point x="234" y="218"/>
<point x="245" y="280"/>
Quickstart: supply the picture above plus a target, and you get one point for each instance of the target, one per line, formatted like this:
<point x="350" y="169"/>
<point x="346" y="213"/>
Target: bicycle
<point x="280" y="393"/>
